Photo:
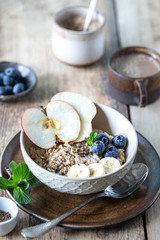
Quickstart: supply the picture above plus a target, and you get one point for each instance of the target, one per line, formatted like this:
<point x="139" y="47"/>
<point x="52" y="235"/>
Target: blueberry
<point x="1" y="79"/>
<point x="8" y="80"/>
<point x="111" y="151"/>
<point x="119" y="141"/>
<point x="9" y="89"/>
<point x="104" y="138"/>
<point x="3" y="91"/>
<point x="18" y="88"/>
<point x="98" y="147"/>
<point x="12" y="72"/>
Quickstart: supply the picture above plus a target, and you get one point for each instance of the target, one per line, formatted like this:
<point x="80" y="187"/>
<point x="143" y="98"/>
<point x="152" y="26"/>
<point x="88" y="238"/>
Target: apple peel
<point x="37" y="128"/>
<point x="61" y="120"/>
<point x="85" y="108"/>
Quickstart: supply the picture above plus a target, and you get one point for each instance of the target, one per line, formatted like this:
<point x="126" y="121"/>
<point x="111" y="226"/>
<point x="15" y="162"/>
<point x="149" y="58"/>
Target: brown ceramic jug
<point x="134" y="75"/>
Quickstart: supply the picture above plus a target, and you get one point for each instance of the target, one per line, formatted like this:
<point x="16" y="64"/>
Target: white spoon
<point x="90" y="12"/>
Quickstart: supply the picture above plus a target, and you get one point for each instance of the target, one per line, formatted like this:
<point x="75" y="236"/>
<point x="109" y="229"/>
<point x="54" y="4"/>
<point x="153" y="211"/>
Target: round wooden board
<point x="47" y="203"/>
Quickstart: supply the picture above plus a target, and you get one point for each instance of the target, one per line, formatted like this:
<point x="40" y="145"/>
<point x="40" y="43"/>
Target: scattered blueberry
<point x="18" y="88"/>
<point x="8" y="80"/>
<point x="3" y="91"/>
<point x="98" y="147"/>
<point x="11" y="82"/>
<point x="9" y="89"/>
<point x="12" y="72"/>
<point x="119" y="141"/>
<point x="104" y="138"/>
<point x="111" y="151"/>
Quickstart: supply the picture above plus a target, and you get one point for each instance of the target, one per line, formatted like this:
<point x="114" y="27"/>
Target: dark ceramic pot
<point x="134" y="91"/>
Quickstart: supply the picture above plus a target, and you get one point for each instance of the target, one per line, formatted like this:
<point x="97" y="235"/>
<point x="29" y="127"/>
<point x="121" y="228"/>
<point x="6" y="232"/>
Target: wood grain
<point x="142" y="17"/>
<point x="25" y="37"/>
<point x="29" y="42"/>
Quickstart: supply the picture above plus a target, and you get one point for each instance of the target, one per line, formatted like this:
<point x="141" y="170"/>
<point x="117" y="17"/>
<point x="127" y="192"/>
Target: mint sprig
<point x="92" y="138"/>
<point x="20" y="179"/>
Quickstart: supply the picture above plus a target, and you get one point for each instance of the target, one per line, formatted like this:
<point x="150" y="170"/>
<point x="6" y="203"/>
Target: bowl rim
<point x="9" y="201"/>
<point x="133" y="152"/>
<point x="78" y="33"/>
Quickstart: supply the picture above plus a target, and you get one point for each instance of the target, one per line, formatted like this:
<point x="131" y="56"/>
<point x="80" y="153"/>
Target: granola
<point x="61" y="157"/>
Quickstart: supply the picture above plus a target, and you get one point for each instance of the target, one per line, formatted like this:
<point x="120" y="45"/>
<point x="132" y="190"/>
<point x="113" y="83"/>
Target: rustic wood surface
<point x="25" y="37"/>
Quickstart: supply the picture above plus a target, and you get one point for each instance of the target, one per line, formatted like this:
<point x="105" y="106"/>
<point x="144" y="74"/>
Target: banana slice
<point x="110" y="164"/>
<point x="79" y="171"/>
<point x="96" y="169"/>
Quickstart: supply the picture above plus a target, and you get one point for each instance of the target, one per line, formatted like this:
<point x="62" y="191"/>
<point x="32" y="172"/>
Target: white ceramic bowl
<point x="77" y="47"/>
<point x="9" y="206"/>
<point x="106" y="119"/>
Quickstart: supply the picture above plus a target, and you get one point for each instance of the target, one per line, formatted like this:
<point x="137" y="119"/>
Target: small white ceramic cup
<point x="9" y="206"/>
<point x="78" y="48"/>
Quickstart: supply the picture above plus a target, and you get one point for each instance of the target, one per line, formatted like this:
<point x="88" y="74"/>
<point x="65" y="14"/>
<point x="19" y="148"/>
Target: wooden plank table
<point x="25" y="37"/>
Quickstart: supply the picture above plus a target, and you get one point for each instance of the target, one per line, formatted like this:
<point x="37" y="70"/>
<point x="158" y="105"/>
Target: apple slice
<point x="37" y="128"/>
<point x="65" y="119"/>
<point x="62" y="121"/>
<point x="85" y="108"/>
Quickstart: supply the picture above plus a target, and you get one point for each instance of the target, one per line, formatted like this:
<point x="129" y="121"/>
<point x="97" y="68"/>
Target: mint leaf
<point x="6" y="183"/>
<point x="12" y="166"/>
<point x="24" y="184"/>
<point x="89" y="142"/>
<point x="21" y="172"/>
<point x="21" y="178"/>
<point x="32" y="180"/>
<point x="93" y="136"/>
<point x="21" y="196"/>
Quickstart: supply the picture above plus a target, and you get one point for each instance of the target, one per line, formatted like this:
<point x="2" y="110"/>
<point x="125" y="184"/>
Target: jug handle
<point x="141" y="83"/>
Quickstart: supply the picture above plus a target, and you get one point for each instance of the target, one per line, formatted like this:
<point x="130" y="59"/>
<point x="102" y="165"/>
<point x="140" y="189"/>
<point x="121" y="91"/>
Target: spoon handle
<point x="89" y="14"/>
<point x="39" y="230"/>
